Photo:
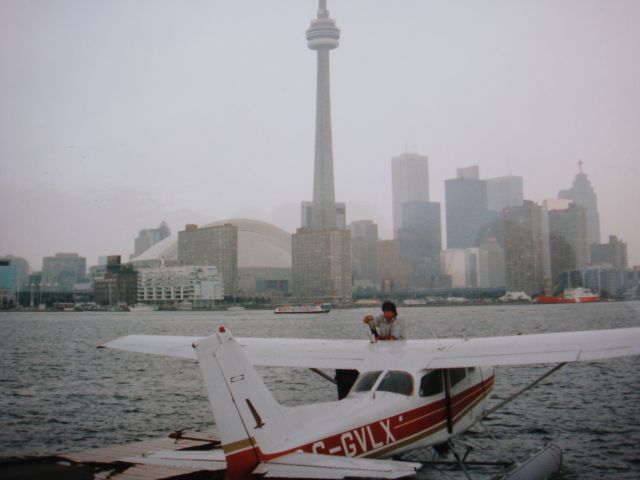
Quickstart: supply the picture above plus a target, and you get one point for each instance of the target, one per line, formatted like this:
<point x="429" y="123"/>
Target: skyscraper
<point x="504" y="192"/>
<point x="526" y="248"/>
<point x="466" y="208"/>
<point x="409" y="183"/>
<point x="364" y="253"/>
<point x="149" y="237"/>
<point x="321" y="254"/>
<point x="567" y="240"/>
<point x="582" y="193"/>
<point x="62" y="271"/>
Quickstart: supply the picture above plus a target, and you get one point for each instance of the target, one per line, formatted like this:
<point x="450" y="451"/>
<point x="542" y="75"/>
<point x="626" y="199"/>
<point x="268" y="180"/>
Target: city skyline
<point x="103" y="135"/>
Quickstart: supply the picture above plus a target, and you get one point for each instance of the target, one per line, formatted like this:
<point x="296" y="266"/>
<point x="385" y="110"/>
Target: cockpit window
<point x="431" y="384"/>
<point x="366" y="381"/>
<point x="396" y="382"/>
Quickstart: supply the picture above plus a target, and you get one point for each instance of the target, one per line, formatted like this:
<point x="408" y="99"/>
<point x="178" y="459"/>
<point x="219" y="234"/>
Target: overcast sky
<point x="116" y="115"/>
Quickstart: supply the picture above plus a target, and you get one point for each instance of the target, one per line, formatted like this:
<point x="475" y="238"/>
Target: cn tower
<point x="323" y="36"/>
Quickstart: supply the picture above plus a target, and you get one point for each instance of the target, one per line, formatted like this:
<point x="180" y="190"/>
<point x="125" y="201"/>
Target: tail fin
<point x="243" y="407"/>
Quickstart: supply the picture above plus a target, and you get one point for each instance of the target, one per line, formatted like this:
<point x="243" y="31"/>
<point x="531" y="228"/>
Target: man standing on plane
<point x="387" y="326"/>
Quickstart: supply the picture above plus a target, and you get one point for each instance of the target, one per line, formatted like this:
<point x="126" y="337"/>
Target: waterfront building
<point x="22" y="270"/>
<point x="149" y="237"/>
<point x="269" y="283"/>
<point x="582" y="193"/>
<point x="526" y="248"/>
<point x="567" y="240"/>
<point x="608" y="281"/>
<point x="195" y="285"/>
<point x="62" y="271"/>
<point x="503" y="192"/>
<point x="364" y="254"/>
<point x="466" y="267"/>
<point x="409" y="183"/>
<point x="466" y="208"/>
<point x="321" y="253"/>
<point x="118" y="285"/>
<point x="394" y="270"/>
<point x="613" y="253"/>
<point x="8" y="278"/>
<point x="216" y="246"/>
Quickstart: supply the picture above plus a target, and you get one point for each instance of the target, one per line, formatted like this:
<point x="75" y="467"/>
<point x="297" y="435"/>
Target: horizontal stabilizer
<point x="210" y="461"/>
<point x="313" y="465"/>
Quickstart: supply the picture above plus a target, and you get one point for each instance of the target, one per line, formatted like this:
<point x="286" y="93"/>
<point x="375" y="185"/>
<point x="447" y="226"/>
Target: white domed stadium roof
<point x="260" y="245"/>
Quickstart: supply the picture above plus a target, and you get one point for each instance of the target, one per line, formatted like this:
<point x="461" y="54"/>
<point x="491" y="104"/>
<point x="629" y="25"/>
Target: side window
<point x="456" y="375"/>
<point x="431" y="384"/>
<point x="366" y="381"/>
<point x="396" y="382"/>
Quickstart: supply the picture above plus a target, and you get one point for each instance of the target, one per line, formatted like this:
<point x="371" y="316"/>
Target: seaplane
<point x="408" y="395"/>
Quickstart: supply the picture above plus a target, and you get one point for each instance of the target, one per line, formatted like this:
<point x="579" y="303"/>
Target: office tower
<point x="409" y="183"/>
<point x="118" y="285"/>
<point x="149" y="237"/>
<point x="504" y="192"/>
<point x="22" y="270"/>
<point x="495" y="259"/>
<point x="8" y="280"/>
<point x="62" y="271"/>
<point x="393" y="268"/>
<point x="466" y="208"/>
<point x="364" y="253"/>
<point x="321" y="254"/>
<point x="567" y="240"/>
<point x="420" y="240"/>
<point x="217" y="246"/>
<point x="613" y="253"/>
<point x="582" y="193"/>
<point x="306" y="214"/>
<point x="526" y="248"/>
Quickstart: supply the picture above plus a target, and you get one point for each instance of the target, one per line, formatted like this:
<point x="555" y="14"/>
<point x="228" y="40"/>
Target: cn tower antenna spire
<point x="323" y="36"/>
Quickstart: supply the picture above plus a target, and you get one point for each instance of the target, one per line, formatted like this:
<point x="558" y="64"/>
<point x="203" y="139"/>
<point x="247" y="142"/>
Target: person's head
<point x="389" y="310"/>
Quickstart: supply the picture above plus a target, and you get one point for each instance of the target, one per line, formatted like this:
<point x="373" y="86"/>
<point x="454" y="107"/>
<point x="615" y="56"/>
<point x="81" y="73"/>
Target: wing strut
<point x="522" y="390"/>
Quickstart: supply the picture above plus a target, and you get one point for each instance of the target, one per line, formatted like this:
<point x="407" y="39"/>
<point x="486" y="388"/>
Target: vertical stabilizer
<point x="243" y="407"/>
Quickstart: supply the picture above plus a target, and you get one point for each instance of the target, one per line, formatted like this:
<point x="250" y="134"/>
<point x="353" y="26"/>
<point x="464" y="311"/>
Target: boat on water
<point x="571" y="295"/>
<point x="235" y="308"/>
<point x="142" y="308"/>
<point x="301" y="309"/>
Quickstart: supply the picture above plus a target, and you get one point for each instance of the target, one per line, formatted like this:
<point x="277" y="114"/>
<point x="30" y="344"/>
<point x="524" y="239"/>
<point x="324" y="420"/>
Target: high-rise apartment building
<point x="409" y="183"/>
<point x="62" y="271"/>
<point x="613" y="253"/>
<point x="212" y="246"/>
<point x="582" y="193"/>
<point x="149" y="237"/>
<point x="567" y="240"/>
<point x="526" y="248"/>
<point x="321" y="254"/>
<point x="198" y="285"/>
<point x="364" y="253"/>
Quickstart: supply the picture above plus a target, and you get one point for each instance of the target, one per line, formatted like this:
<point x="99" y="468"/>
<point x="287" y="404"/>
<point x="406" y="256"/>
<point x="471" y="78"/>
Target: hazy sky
<point x="116" y="115"/>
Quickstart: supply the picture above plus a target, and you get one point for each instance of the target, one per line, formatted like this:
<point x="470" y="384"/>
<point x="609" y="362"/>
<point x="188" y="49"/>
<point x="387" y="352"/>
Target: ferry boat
<point x="301" y="309"/>
<point x="571" y="295"/>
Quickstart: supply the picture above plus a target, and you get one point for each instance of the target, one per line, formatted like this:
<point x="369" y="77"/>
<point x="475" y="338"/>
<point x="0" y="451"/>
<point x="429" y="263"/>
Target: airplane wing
<point x="209" y="461"/>
<point x="313" y="465"/>
<point x="407" y="355"/>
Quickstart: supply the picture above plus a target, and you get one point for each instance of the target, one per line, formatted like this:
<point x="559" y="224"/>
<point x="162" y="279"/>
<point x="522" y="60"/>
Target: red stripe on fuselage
<point x="394" y="432"/>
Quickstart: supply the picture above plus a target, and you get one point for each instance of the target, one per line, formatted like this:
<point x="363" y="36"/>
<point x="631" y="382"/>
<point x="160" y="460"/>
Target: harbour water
<point x="59" y="393"/>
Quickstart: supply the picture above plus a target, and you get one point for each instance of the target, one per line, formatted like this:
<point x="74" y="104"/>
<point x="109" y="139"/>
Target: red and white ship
<point x="571" y="295"/>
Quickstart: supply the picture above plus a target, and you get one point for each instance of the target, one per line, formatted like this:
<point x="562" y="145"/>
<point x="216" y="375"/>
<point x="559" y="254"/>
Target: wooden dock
<point x="118" y="462"/>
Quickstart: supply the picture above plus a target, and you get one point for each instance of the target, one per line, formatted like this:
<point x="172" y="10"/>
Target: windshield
<point x="366" y="381"/>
